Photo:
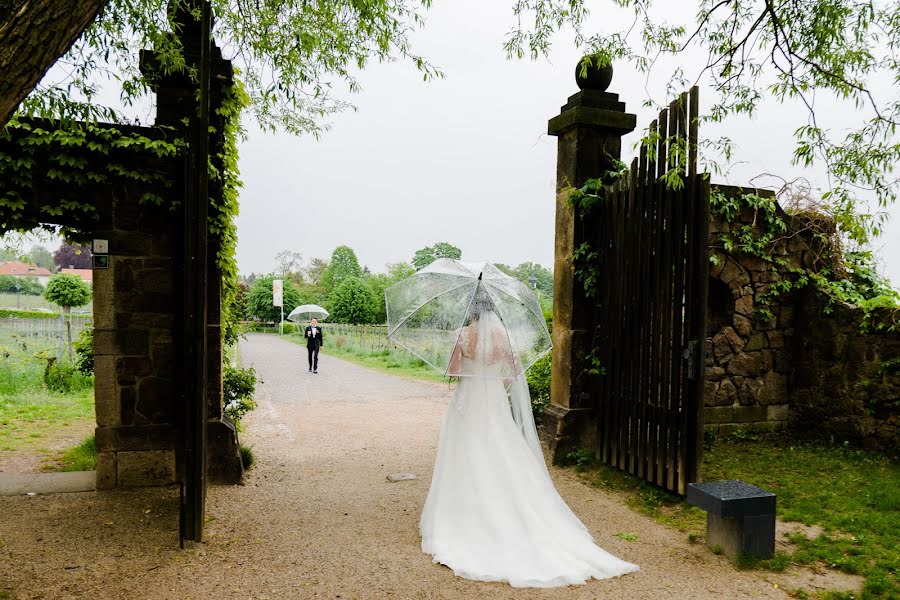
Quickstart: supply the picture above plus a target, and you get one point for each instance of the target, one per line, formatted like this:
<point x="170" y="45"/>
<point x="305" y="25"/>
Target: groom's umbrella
<point x="427" y="312"/>
<point x="305" y="312"/>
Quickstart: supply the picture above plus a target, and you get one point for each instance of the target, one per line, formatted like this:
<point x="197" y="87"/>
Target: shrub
<point x="84" y="351"/>
<point x="239" y="386"/>
<point x="353" y="302"/>
<point x="259" y="300"/>
<point x="538" y="377"/>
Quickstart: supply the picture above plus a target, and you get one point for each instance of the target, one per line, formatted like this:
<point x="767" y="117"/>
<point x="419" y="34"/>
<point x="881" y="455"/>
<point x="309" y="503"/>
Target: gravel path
<point x="317" y="517"/>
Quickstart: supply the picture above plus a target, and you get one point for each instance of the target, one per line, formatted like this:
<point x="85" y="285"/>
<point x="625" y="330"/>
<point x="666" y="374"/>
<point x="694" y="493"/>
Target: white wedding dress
<point x="492" y="513"/>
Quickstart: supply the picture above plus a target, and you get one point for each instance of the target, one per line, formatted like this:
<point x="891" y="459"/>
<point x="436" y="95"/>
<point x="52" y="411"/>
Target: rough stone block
<point x="757" y="341"/>
<point x="150" y="468"/>
<point x="126" y="243"/>
<point x="733" y="273"/>
<point x="744" y="305"/>
<point x="749" y="414"/>
<point x="748" y="391"/>
<point x="726" y="395"/>
<point x="118" y="342"/>
<point x="155" y="399"/>
<point x="106" y="470"/>
<point x="127" y="399"/>
<point x="778" y="412"/>
<point x="129" y="368"/>
<point x="156" y="280"/>
<point x="106" y="399"/>
<point x="749" y="364"/>
<point x="719" y="414"/>
<point x="104" y="297"/>
<point x="775" y="338"/>
<point x="715" y="373"/>
<point x="742" y="325"/>
<point x="774" y="389"/>
<point x="709" y="392"/>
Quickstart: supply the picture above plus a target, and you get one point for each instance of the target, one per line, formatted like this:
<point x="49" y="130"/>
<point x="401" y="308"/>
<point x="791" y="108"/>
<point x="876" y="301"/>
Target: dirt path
<point x="317" y="517"/>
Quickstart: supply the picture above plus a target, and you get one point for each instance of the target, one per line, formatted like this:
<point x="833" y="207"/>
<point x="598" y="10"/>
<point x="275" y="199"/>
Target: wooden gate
<point x="652" y="242"/>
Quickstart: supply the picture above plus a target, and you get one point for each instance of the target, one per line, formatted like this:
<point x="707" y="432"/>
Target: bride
<point x="492" y="513"/>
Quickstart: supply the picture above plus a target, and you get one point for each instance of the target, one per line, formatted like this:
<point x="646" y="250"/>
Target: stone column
<point x="589" y="129"/>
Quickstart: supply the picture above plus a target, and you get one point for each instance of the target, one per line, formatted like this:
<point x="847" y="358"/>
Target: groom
<point x="313" y="343"/>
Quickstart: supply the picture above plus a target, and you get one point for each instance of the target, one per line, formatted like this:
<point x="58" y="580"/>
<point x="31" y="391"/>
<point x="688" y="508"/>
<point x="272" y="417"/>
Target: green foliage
<point x="845" y="276"/>
<point x="538" y="377"/>
<point x="84" y="351"/>
<point x="28" y="286"/>
<point x="342" y="266"/>
<point x="353" y="302"/>
<point x="224" y="209"/>
<point x="786" y="51"/>
<point x="259" y="299"/>
<point x="427" y="255"/>
<point x="82" y="457"/>
<point x="239" y="386"/>
<point x="379" y="282"/>
<point x="290" y="54"/>
<point x="28" y="314"/>
<point x="247" y="458"/>
<point x="67" y="291"/>
<point x="41" y="257"/>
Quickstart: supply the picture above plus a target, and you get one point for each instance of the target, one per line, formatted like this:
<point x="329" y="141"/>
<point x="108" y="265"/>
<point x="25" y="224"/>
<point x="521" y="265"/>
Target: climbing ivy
<point x="76" y="156"/>
<point x="847" y="276"/>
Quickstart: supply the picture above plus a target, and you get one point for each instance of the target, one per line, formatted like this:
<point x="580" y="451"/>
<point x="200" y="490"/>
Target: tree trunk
<point x="34" y="34"/>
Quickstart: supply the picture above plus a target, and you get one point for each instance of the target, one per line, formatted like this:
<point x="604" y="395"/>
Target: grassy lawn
<point x="82" y="457"/>
<point x="26" y="418"/>
<point x="853" y="495"/>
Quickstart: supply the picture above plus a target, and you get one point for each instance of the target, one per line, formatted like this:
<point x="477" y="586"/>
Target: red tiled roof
<point x="13" y="267"/>
<point x="85" y="274"/>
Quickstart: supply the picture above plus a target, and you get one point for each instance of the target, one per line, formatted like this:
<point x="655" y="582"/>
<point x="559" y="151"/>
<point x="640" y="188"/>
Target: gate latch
<point x="690" y="354"/>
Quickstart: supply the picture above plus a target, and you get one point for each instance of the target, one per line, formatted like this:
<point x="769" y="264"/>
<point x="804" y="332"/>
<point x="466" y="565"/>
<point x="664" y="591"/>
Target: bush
<point x="353" y="302"/>
<point x="65" y="379"/>
<point x="538" y="378"/>
<point x="239" y="387"/>
<point x="28" y="286"/>
<point x="247" y="459"/>
<point x="84" y="351"/>
<point x="259" y="300"/>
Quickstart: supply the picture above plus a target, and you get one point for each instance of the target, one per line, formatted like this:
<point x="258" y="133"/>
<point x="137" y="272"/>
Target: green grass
<point x="401" y="364"/>
<point x="82" y="457"/>
<point x="247" y="458"/>
<point x="26" y="418"/>
<point x="853" y="495"/>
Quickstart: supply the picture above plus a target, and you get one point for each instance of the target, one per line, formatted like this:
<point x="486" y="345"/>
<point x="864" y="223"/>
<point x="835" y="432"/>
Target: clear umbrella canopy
<point x="457" y="317"/>
<point x="305" y="312"/>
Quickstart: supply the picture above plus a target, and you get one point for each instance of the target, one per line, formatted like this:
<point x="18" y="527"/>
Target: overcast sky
<point x="465" y="159"/>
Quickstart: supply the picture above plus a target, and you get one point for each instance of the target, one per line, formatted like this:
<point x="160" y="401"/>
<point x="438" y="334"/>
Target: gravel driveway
<point x="317" y="517"/>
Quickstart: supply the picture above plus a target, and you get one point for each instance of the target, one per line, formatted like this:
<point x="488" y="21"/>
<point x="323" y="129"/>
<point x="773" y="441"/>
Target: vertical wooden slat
<point x="663" y="296"/>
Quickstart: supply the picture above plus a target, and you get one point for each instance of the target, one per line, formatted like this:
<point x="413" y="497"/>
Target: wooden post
<point x="589" y="129"/>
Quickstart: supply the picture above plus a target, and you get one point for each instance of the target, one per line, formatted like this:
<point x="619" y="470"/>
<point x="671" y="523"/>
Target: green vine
<point x="844" y="276"/>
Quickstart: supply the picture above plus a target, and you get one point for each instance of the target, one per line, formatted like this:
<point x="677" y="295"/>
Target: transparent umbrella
<point x="305" y="312"/>
<point x="429" y="314"/>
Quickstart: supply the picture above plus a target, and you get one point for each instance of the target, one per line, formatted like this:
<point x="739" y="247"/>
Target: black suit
<point x="313" y="343"/>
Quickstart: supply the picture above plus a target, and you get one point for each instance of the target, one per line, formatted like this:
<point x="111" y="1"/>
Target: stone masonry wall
<point x="809" y="368"/>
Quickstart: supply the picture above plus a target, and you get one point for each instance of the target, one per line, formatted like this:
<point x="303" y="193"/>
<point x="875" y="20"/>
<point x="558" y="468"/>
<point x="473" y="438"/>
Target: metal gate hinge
<point x="690" y="354"/>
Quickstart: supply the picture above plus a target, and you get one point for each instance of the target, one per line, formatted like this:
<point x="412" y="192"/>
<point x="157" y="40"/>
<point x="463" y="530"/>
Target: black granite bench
<point x="740" y="518"/>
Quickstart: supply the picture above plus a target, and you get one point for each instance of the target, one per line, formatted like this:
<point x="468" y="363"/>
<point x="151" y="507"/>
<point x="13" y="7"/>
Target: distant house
<point x="20" y="269"/>
<point x="86" y="275"/>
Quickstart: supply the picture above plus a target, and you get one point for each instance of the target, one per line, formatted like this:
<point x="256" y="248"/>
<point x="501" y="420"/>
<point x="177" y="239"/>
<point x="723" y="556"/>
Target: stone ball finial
<point x="597" y="78"/>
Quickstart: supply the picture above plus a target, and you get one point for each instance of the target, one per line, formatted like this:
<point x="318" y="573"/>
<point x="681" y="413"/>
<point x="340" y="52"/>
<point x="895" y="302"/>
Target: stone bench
<point x="740" y="518"/>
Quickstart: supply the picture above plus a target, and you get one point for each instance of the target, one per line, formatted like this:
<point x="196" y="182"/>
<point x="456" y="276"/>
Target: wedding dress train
<point x="492" y="512"/>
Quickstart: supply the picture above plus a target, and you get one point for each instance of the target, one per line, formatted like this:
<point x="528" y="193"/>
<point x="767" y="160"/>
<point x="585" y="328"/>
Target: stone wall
<point x="803" y="368"/>
<point x="845" y="383"/>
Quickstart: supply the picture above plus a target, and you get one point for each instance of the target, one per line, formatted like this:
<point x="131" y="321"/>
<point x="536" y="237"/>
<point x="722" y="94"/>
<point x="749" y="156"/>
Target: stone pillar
<point x="589" y="129"/>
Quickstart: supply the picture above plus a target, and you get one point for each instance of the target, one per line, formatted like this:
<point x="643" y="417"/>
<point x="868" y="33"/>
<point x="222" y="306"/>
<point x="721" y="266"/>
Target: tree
<point x="427" y="255"/>
<point x="67" y="291"/>
<point x="342" y="266"/>
<point x="290" y="53"/>
<point x="33" y="36"/>
<point x="42" y="257"/>
<point x="289" y="263"/>
<point x="316" y="270"/>
<point x="352" y="302"/>
<point x="69" y="256"/>
<point x="379" y="282"/>
<point x="259" y="299"/>
<point x="14" y="284"/>
<point x="788" y="51"/>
